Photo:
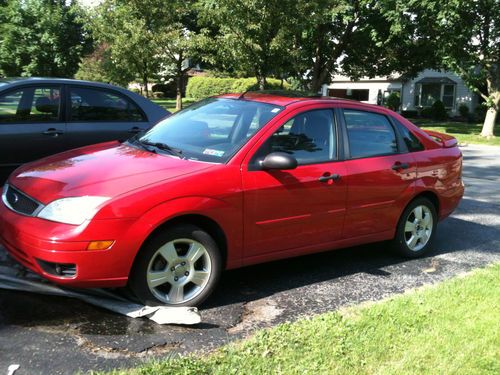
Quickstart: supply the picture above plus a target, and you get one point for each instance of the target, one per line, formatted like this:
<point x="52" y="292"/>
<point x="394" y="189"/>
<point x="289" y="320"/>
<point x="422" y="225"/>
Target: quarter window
<point x="31" y="104"/>
<point x="370" y="134"/>
<point x="94" y="105"/>
<point x="411" y="141"/>
<point x="309" y="137"/>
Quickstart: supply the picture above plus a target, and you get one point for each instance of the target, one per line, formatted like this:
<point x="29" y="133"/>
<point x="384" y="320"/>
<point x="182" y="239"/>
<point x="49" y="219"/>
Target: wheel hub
<point x="180" y="270"/>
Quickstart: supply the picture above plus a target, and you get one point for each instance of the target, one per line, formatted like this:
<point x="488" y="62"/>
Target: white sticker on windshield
<point x="209" y="151"/>
<point x="274" y="110"/>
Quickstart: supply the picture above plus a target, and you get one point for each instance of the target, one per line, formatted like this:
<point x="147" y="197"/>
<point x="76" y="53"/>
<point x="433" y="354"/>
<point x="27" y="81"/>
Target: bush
<point x="480" y="112"/>
<point x="393" y="101"/>
<point x="409" y="114"/>
<point x="203" y="87"/>
<point x="438" y="111"/>
<point x="463" y="109"/>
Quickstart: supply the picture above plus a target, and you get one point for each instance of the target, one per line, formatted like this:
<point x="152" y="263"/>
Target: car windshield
<point x="212" y="130"/>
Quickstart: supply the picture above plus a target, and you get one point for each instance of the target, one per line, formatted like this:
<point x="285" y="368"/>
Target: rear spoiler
<point x="446" y="141"/>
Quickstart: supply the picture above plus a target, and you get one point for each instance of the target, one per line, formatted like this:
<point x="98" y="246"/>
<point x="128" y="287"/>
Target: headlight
<point x="73" y="210"/>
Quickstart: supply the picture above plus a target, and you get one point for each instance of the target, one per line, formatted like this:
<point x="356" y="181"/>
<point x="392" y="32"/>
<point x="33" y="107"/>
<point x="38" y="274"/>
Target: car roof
<point x="284" y="100"/>
<point x="153" y="110"/>
<point x="24" y="80"/>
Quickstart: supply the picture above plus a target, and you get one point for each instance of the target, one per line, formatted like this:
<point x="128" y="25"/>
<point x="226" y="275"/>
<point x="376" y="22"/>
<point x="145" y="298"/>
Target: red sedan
<point x="227" y="182"/>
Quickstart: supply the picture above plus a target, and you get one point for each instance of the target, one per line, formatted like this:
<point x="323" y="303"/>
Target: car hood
<point x="107" y="169"/>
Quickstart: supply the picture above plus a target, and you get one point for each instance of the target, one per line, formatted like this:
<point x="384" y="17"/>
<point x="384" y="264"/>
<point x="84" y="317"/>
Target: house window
<point x="427" y="92"/>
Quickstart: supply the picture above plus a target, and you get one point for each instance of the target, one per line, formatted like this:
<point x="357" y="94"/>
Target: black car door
<point x="31" y="124"/>
<point x="100" y="115"/>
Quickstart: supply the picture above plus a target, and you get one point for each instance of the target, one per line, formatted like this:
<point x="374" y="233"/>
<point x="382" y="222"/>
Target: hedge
<point x="203" y="87"/>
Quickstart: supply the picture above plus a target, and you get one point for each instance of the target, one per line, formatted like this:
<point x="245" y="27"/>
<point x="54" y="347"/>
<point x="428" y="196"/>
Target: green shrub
<point x="463" y="109"/>
<point x="409" y="114"/>
<point x="426" y="112"/>
<point x="203" y="87"/>
<point x="438" y="111"/>
<point x="480" y="112"/>
<point x="393" y="101"/>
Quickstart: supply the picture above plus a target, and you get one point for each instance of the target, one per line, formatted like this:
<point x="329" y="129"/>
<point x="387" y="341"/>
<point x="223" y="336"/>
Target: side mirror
<point x="279" y="160"/>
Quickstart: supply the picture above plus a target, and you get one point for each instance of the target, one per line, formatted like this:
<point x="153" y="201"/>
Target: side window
<point x="409" y="138"/>
<point x="369" y="134"/>
<point x="309" y="137"/>
<point x="93" y="105"/>
<point x="31" y="104"/>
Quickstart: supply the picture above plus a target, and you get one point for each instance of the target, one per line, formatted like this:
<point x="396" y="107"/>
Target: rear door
<point x="99" y="115"/>
<point x="31" y="124"/>
<point x="379" y="173"/>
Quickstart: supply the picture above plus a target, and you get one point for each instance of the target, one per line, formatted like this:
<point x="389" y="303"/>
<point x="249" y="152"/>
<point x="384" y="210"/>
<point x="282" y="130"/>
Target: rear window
<point x="370" y="134"/>
<point x="94" y="105"/>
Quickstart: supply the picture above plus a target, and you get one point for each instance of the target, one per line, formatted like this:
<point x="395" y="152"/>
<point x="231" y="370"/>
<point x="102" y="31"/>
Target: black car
<point x="44" y="116"/>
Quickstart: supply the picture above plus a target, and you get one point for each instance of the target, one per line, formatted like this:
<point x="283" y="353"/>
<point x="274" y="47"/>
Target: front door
<point x="297" y="208"/>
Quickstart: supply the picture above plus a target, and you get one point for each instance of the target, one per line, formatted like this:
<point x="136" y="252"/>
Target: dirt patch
<point x="256" y="313"/>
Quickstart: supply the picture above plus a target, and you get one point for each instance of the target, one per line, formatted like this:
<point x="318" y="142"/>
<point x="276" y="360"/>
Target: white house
<point x="420" y="92"/>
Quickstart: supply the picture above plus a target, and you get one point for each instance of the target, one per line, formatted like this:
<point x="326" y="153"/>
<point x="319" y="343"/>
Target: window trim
<point x="111" y="91"/>
<point x="336" y="127"/>
<point x="62" y="102"/>
<point x="401" y="147"/>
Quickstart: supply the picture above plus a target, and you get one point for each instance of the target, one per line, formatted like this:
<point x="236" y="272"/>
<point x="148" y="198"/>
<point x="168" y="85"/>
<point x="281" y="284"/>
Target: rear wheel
<point x="416" y="229"/>
<point x="179" y="267"/>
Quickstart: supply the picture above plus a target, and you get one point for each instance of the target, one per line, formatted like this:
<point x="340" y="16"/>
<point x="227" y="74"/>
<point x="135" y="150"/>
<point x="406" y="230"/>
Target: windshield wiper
<point x="163" y="147"/>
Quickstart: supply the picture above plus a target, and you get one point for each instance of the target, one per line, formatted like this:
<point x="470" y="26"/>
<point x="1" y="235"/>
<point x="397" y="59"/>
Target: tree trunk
<point x="178" y="98"/>
<point x="145" y="83"/>
<point x="489" y="122"/>
<point x="262" y="82"/>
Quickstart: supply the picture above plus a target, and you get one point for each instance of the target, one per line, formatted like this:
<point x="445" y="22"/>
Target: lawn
<point x="169" y="104"/>
<point x="464" y="132"/>
<point x="451" y="328"/>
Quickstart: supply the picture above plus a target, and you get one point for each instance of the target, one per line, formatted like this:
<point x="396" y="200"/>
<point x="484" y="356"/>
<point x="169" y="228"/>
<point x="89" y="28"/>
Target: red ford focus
<point x="228" y="182"/>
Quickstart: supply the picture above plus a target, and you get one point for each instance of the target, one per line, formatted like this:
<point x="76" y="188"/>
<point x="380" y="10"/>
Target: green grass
<point x="169" y="104"/>
<point x="451" y="328"/>
<point x="463" y="132"/>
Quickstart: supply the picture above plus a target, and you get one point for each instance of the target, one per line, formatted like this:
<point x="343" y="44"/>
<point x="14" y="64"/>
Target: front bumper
<point x="31" y="240"/>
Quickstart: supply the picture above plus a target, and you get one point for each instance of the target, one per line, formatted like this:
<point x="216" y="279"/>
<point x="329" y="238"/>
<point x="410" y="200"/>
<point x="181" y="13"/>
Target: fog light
<point x="100" y="245"/>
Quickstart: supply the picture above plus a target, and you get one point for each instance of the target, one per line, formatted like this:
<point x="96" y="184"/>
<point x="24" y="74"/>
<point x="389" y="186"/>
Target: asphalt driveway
<point x="51" y="335"/>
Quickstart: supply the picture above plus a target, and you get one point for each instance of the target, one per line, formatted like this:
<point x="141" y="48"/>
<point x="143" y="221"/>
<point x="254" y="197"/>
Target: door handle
<point x="397" y="166"/>
<point x="326" y="177"/>
<point x="135" y="129"/>
<point x="53" y="132"/>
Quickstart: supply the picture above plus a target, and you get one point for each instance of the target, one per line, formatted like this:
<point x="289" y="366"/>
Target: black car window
<point x="94" y="105"/>
<point x="409" y="138"/>
<point x="370" y="134"/>
<point x="309" y="137"/>
<point x="30" y="105"/>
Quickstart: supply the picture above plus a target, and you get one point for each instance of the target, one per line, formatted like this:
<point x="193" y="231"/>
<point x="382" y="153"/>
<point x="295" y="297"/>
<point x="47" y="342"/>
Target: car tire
<point x="178" y="267"/>
<point x="416" y="229"/>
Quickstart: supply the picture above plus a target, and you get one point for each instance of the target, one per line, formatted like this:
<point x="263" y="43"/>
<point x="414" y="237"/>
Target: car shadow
<point x="248" y="284"/>
<point x="263" y="280"/>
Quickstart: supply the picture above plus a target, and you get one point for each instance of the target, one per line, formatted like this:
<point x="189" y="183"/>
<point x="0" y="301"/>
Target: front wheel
<point x="416" y="229"/>
<point x="179" y="267"/>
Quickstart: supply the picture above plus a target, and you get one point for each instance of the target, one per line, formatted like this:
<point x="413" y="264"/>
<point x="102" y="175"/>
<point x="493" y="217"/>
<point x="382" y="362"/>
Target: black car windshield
<point x="212" y="130"/>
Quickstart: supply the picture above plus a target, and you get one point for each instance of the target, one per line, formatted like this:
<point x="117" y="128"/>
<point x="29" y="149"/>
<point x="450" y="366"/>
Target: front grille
<point x="20" y="202"/>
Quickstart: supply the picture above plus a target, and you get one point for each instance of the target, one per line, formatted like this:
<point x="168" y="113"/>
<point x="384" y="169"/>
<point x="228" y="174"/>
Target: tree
<point x="41" y="38"/>
<point x="147" y="38"/>
<point x="469" y="33"/>
<point x="99" y="67"/>
<point x="460" y="35"/>
<point x="246" y="38"/>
